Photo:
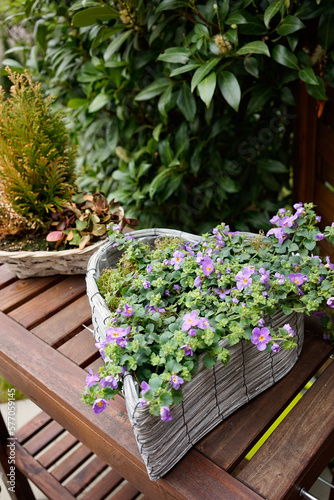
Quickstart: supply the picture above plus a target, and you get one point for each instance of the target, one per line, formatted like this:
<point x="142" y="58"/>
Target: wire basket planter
<point x="211" y="395"/>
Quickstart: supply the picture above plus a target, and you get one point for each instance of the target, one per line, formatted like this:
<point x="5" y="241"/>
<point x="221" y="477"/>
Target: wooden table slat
<point x="36" y="310"/>
<point x="71" y="463"/>
<point x="32" y="427"/>
<point x="57" y="451"/>
<point x="20" y="291"/>
<point x="81" y="348"/>
<point x="111" y="480"/>
<point x="276" y="470"/>
<point x="86" y="475"/>
<point x="228" y="443"/>
<point x="6" y="276"/>
<point x="43" y="438"/>
<point x="59" y="327"/>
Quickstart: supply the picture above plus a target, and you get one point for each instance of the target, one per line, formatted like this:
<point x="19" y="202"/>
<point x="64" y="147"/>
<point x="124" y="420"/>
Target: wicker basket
<point x="40" y="263"/>
<point x="211" y="395"/>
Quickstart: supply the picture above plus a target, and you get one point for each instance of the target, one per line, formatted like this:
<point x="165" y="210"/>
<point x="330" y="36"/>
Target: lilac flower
<point x="298" y="205"/>
<point x="318" y="218"/>
<point x="146" y="284"/>
<point x="121" y="342"/>
<point x="199" y="257"/>
<point x="282" y="210"/>
<point x="187" y="350"/>
<point x="116" y="227"/>
<point x="235" y="301"/>
<point x="100" y="405"/>
<point x="249" y="270"/>
<point x="176" y="381"/>
<point x="198" y="281"/>
<point x="228" y="271"/>
<point x="288" y="328"/>
<point x="166" y="292"/>
<point x="115" y="333"/>
<point x="296" y="278"/>
<point x="275" y="348"/>
<point x="207" y="266"/>
<point x="219" y="241"/>
<point x="215" y="230"/>
<point x="243" y="279"/>
<point x="319" y="236"/>
<point x="278" y="233"/>
<point x="143" y="402"/>
<point x="178" y="257"/>
<point x="287" y="221"/>
<point x="166" y="262"/>
<point x="260" y="337"/>
<point x="280" y="278"/>
<point x="261" y="322"/>
<point x="177" y="287"/>
<point x="330" y="302"/>
<point x="101" y="345"/>
<point x="154" y="309"/>
<point x="128" y="311"/>
<point x="222" y="292"/>
<point x="115" y="245"/>
<point x="275" y="219"/>
<point x="265" y="276"/>
<point x="144" y="387"/>
<point x="109" y="381"/>
<point x="92" y="379"/>
<point x="165" y="414"/>
<point x="192" y="332"/>
<point x="329" y="264"/>
<point x="149" y="268"/>
<point x="265" y="294"/>
<point x="203" y="323"/>
<point x="189" y="320"/>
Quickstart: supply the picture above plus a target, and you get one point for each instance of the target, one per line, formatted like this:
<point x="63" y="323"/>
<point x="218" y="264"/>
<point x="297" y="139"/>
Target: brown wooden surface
<point x="45" y="352"/>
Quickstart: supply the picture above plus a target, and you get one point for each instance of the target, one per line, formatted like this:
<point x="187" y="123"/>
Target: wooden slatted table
<point x="45" y="352"/>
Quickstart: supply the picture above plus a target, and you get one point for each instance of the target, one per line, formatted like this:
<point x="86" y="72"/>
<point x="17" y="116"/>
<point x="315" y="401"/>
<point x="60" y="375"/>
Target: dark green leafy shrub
<point x="183" y="111"/>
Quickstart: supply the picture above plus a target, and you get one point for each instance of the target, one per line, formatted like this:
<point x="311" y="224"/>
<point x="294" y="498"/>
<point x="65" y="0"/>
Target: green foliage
<point x="36" y="161"/>
<point x="183" y="110"/>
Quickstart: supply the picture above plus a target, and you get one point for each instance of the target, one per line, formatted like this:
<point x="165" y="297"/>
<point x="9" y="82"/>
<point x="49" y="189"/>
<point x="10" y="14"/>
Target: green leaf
<point x="158" y="180"/>
<point x="165" y="101"/>
<point x="256" y="47"/>
<point x="230" y="89"/>
<point x="271" y="11"/>
<point x="76" y="103"/>
<point x="116" y="44"/>
<point x="184" y="69"/>
<point x="156" y="132"/>
<point x="92" y="15"/>
<point x="283" y="56"/>
<point x="251" y="66"/>
<point x="204" y="70"/>
<point x="171" y="4"/>
<point x="325" y="29"/>
<point x="154" y="89"/>
<point x="209" y="361"/>
<point x="81" y="224"/>
<point x="98" y="102"/>
<point x="237" y="17"/>
<point x="186" y="102"/>
<point x="317" y="91"/>
<point x="175" y="55"/>
<point x="290" y="25"/>
<point x="308" y="76"/>
<point x="105" y="33"/>
<point x="271" y="166"/>
<point x="207" y="88"/>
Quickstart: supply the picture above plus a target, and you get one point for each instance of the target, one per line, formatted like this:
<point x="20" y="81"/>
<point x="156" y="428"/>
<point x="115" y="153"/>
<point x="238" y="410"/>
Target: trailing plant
<point x="85" y="220"/>
<point x="177" y="301"/>
<point x="37" y="167"/>
<point x="186" y="108"/>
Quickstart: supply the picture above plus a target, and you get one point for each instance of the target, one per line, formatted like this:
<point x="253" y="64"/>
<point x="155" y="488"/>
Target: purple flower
<point x="199" y="257"/>
<point x="329" y="264"/>
<point x="282" y="210"/>
<point x="189" y="320"/>
<point x="319" y="236"/>
<point x="278" y="233"/>
<point x="92" y="379"/>
<point x="144" y="387"/>
<point x="203" y="323"/>
<point x="207" y="266"/>
<point x="116" y="228"/>
<point x="275" y="348"/>
<point x="198" y="281"/>
<point x="261" y="322"/>
<point x="177" y="287"/>
<point x="215" y="230"/>
<point x="296" y="278"/>
<point x="330" y="302"/>
<point x="187" y="350"/>
<point x="280" y="278"/>
<point x="128" y="311"/>
<point x="121" y="342"/>
<point x="166" y="292"/>
<point x="101" y="345"/>
<point x="166" y="262"/>
<point x="288" y="328"/>
<point x="109" y="381"/>
<point x="265" y="275"/>
<point x="318" y="218"/>
<point x="298" y="205"/>
<point x="260" y="337"/>
<point x="149" y="268"/>
<point x="176" y="381"/>
<point x="115" y="333"/>
<point x="222" y="292"/>
<point x="235" y="301"/>
<point x="243" y="279"/>
<point x="178" y="257"/>
<point x="146" y="284"/>
<point x="165" y="414"/>
<point x="287" y="221"/>
<point x="275" y="219"/>
<point x="192" y="332"/>
<point x="100" y="405"/>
